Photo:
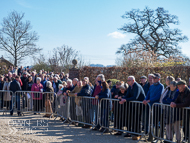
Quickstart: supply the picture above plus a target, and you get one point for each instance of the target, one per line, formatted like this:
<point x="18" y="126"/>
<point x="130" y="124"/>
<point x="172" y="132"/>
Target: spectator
<point x="77" y="100"/>
<point x="101" y="77"/>
<point x="75" y="80"/>
<point x="170" y="118"/>
<point x="66" y="77"/>
<point x="135" y="92"/>
<point x="85" y="91"/>
<point x="15" y="86"/>
<point x="1" y="88"/>
<point x="56" y="83"/>
<point x="96" y="91"/>
<point x="24" y="80"/>
<point x="109" y="83"/>
<point x="37" y="97"/>
<point x="49" y="99"/>
<point x="183" y="100"/>
<point x="169" y="79"/>
<point x="68" y="88"/>
<point x="104" y="106"/>
<point x="10" y="75"/>
<point x="33" y="77"/>
<point x="150" y="79"/>
<point x="178" y="79"/>
<point x="145" y="84"/>
<point x="43" y="82"/>
<point x="121" y="110"/>
<point x="29" y="87"/>
<point x="153" y="96"/>
<point x="7" y="96"/>
<point x="89" y="83"/>
<point x="189" y="83"/>
<point x="20" y="71"/>
<point x="15" y="70"/>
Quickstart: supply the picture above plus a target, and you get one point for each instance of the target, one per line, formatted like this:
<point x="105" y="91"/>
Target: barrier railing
<point x="84" y="110"/>
<point x="167" y="120"/>
<point x="36" y="102"/>
<point x="62" y="107"/>
<point x="5" y="100"/>
<point x="131" y="117"/>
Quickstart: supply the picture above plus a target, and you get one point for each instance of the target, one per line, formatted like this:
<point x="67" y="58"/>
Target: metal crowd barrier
<point x="167" y="121"/>
<point x="62" y="107"/>
<point x="131" y="117"/>
<point x="35" y="102"/>
<point x="5" y="100"/>
<point x="84" y="110"/>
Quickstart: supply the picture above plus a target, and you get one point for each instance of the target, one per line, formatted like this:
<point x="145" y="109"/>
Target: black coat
<point x="14" y="86"/>
<point x="1" y="85"/>
<point x="25" y="83"/>
<point x="85" y="91"/>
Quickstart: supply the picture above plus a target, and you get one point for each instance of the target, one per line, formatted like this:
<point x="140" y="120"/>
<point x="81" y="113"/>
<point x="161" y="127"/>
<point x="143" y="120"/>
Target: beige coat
<point x="72" y="94"/>
<point x="7" y="96"/>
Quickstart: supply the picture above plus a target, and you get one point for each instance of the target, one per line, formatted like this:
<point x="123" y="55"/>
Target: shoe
<point x="86" y="126"/>
<point x="95" y="129"/>
<point x="80" y="125"/>
<point x="34" y="113"/>
<point x="106" y="131"/>
<point x="102" y="129"/>
<point x="118" y="133"/>
<point x="136" y="137"/>
<point x="127" y="135"/>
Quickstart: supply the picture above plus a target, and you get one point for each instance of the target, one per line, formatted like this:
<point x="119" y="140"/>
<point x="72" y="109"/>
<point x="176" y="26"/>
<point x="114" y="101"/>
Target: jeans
<point x="17" y="105"/>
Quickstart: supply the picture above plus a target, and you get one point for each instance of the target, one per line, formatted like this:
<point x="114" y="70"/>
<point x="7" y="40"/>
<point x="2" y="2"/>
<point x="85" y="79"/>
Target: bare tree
<point x="16" y="37"/>
<point x="152" y="31"/>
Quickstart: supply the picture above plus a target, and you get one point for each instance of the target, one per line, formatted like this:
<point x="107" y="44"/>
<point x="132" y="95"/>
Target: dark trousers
<point x="1" y="100"/>
<point x="73" y="108"/>
<point x="186" y="125"/>
<point x="17" y="104"/>
<point x="37" y="105"/>
<point x="86" y="108"/>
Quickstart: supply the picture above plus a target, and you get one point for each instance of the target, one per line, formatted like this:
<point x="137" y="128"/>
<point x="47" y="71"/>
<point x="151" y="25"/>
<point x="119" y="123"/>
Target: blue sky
<point x="88" y="26"/>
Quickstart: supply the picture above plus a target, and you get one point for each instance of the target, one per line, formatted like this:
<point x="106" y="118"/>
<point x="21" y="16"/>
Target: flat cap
<point x="143" y="77"/>
<point x="182" y="82"/>
<point x="157" y="75"/>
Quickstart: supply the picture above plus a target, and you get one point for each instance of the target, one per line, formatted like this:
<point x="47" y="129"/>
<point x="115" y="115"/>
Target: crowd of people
<point x="149" y="91"/>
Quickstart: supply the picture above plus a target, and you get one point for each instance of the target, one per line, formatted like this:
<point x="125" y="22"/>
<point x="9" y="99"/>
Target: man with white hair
<point x="75" y="80"/>
<point x="56" y="83"/>
<point x="135" y="92"/>
<point x="88" y="82"/>
<point x="101" y="77"/>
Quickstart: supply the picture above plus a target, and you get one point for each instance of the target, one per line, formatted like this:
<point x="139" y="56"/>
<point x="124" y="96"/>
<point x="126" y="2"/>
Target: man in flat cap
<point x="183" y="100"/>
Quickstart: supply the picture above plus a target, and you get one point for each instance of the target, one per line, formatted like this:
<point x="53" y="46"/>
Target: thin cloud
<point x="117" y="35"/>
<point x="23" y="3"/>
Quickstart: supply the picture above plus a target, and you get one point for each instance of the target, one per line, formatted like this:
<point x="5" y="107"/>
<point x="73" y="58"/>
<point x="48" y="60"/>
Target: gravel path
<point x="36" y="129"/>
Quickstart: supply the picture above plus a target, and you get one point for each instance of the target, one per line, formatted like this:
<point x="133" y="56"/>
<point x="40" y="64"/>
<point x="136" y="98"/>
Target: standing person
<point x="121" y="109"/>
<point x="135" y="92"/>
<point x="172" y="120"/>
<point x="76" y="108"/>
<point x="183" y="100"/>
<point x="33" y="76"/>
<point x="15" y="86"/>
<point x="85" y="91"/>
<point x="20" y="70"/>
<point x="24" y="87"/>
<point x="56" y="83"/>
<point x="153" y="96"/>
<point x="75" y="80"/>
<point x="104" y="106"/>
<point x="43" y="82"/>
<point x="37" y="97"/>
<point x="189" y="83"/>
<point x="49" y="99"/>
<point x="145" y="84"/>
<point x="1" y="88"/>
<point x="29" y="96"/>
<point x="96" y="91"/>
<point x="7" y="96"/>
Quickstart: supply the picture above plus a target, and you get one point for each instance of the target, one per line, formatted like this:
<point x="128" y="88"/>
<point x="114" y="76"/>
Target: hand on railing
<point x="122" y="101"/>
<point x="96" y="96"/>
<point x="172" y="104"/>
<point x="116" y="96"/>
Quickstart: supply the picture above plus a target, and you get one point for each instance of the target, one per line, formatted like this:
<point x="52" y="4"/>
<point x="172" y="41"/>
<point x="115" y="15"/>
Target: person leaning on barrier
<point x="15" y="86"/>
<point x="145" y="84"/>
<point x="121" y="109"/>
<point x="77" y="115"/>
<point x="49" y="98"/>
<point x="183" y="100"/>
<point x="153" y="96"/>
<point x="75" y="80"/>
<point x="135" y="92"/>
<point x="85" y="91"/>
<point x="104" y="106"/>
<point x="30" y="101"/>
<point x="68" y="87"/>
<point x="170" y="118"/>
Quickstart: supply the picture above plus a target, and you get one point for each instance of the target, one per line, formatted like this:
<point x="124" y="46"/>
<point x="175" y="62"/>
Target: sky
<point x="89" y="26"/>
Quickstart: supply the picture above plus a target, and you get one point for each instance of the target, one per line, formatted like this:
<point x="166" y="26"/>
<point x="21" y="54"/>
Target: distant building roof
<point x="3" y="60"/>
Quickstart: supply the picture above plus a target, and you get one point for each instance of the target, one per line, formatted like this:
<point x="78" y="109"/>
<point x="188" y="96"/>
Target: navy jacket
<point x="146" y="87"/>
<point x="135" y="94"/>
<point x="85" y="91"/>
<point x="104" y="94"/>
<point x="14" y="86"/>
<point x="168" y="100"/>
<point x="1" y="85"/>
